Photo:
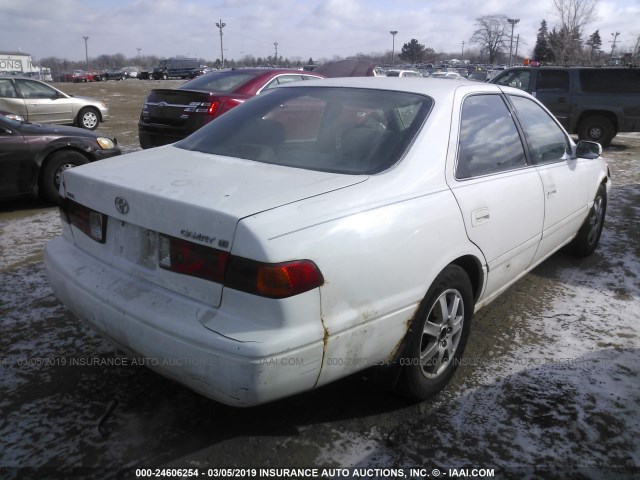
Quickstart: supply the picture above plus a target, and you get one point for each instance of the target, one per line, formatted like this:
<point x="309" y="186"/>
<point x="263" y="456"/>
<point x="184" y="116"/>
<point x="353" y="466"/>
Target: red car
<point x="78" y="76"/>
<point x="169" y="115"/>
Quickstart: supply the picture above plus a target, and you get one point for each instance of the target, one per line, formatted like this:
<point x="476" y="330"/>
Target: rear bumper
<point x="165" y="328"/>
<point x="158" y="135"/>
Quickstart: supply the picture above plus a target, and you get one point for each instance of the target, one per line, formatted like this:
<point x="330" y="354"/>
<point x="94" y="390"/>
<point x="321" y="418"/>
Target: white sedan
<point x="323" y="228"/>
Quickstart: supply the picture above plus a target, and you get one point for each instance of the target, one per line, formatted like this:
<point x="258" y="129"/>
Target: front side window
<point x="31" y="89"/>
<point x="518" y="79"/>
<point x="547" y="141"/>
<point x="489" y="141"/>
<point x="342" y="130"/>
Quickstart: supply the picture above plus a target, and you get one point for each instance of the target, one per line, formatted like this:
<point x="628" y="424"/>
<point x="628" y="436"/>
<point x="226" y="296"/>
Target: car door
<point x="43" y="103"/>
<point x="552" y="87"/>
<point x="14" y="162"/>
<point x="565" y="191"/>
<point x="499" y="194"/>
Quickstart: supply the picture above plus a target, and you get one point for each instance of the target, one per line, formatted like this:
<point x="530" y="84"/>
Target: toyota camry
<point x="323" y="228"/>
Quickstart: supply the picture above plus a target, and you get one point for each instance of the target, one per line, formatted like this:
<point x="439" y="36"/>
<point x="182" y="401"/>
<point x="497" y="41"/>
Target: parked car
<point x="448" y="75"/>
<point x="39" y="102"/>
<point x="594" y="103"/>
<point x="33" y="156"/>
<point x="80" y="76"/>
<point x="323" y="228"/>
<point x="403" y="73"/>
<point x="478" y="76"/>
<point x="169" y="115"/>
<point x="130" y="72"/>
<point x="114" y="74"/>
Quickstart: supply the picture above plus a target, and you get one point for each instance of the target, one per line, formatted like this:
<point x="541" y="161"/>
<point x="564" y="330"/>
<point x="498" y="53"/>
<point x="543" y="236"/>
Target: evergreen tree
<point x="594" y="42"/>
<point x="412" y="52"/>
<point x="542" y="52"/>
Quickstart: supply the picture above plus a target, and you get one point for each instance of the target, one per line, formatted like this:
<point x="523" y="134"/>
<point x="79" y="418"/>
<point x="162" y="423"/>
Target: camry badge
<point x="122" y="205"/>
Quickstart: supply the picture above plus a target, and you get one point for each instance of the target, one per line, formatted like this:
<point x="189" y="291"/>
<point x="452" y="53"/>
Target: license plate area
<point x="133" y="244"/>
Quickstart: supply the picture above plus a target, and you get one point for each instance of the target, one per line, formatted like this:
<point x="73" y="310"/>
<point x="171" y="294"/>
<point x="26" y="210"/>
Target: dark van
<point x="175" y="68"/>
<point x="594" y="103"/>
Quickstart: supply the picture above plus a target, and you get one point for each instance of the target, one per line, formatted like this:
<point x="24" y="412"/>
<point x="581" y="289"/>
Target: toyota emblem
<point x="122" y="205"/>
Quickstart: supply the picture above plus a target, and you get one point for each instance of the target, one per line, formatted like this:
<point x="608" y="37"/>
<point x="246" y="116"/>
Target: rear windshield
<point x="342" y="130"/>
<point x="218" y="81"/>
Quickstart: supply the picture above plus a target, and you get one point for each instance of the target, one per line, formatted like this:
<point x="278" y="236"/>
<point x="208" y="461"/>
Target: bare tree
<point x="574" y="15"/>
<point x="491" y="35"/>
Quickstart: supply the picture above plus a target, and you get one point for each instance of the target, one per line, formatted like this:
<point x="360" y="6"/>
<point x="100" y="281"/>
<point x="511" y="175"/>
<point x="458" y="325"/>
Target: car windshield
<point x="218" y="81"/>
<point x="342" y="130"/>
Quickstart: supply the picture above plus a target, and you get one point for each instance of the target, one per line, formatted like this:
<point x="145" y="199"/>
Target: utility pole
<point x="86" y="51"/>
<point x="275" y="44"/>
<point x="462" y="54"/>
<point x="221" y="25"/>
<point x="613" y="46"/>
<point x="513" y="22"/>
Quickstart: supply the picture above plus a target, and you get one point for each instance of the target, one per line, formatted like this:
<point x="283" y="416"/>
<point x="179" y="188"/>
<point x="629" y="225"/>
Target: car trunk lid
<point x="186" y="195"/>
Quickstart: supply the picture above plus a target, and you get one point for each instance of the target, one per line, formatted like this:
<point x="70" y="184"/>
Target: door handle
<point x="480" y="216"/>
<point x="551" y="190"/>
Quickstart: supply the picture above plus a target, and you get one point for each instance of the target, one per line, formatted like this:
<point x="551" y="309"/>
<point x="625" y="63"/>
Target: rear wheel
<point x="88" y="118"/>
<point x="53" y="169"/>
<point x="438" y="334"/>
<point x="597" y="128"/>
<point x="588" y="236"/>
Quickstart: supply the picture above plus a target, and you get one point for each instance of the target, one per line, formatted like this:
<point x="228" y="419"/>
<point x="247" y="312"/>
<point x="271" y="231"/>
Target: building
<point x="21" y="63"/>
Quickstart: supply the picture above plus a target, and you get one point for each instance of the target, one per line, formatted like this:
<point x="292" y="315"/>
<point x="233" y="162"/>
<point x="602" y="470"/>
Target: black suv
<point x="595" y="103"/>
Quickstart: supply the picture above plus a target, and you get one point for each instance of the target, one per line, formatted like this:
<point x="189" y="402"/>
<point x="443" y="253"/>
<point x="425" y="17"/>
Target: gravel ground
<point x="550" y="387"/>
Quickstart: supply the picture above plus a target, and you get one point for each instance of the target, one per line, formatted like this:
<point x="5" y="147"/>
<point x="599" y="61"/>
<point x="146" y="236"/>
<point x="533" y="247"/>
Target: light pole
<point x="275" y="44"/>
<point x="86" y="51"/>
<point x="462" y="54"/>
<point x="221" y="25"/>
<point x="513" y="22"/>
<point x="393" y="44"/>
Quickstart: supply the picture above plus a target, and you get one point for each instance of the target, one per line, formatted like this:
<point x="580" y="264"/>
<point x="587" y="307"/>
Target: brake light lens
<point x="273" y="280"/>
<point x="90" y="222"/>
<point x="188" y="258"/>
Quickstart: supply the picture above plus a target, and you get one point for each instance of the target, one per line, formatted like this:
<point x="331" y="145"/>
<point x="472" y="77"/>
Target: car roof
<point x="433" y="87"/>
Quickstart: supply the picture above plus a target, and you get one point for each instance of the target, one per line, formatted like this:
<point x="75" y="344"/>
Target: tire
<point x="588" y="236"/>
<point x="52" y="172"/>
<point x="436" y="339"/>
<point x="88" y="118"/>
<point x="597" y="128"/>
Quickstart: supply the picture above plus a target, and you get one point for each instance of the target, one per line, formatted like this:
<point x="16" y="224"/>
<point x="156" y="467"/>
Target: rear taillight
<point x="213" y="108"/>
<point x="91" y="222"/>
<point x="272" y="280"/>
<point x="191" y="259"/>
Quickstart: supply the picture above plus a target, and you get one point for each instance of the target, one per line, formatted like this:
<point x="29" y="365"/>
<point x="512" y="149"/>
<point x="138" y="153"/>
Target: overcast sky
<point x="320" y="29"/>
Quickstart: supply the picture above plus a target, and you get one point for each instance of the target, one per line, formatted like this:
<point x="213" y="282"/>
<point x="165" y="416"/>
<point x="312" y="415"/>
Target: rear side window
<point x="610" y="80"/>
<point x="552" y="80"/>
<point x="489" y="141"/>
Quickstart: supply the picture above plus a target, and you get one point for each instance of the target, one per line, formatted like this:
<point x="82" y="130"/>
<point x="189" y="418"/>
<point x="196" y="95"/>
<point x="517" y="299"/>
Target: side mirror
<point x="590" y="150"/>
